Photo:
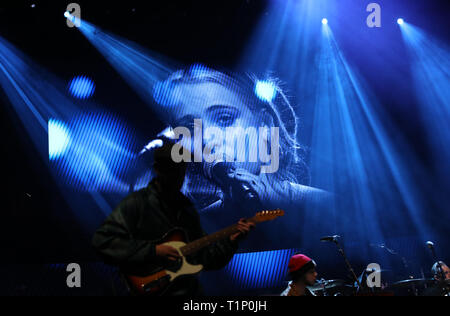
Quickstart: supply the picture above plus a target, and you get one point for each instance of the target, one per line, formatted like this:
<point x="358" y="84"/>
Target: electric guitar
<point x="158" y="282"/>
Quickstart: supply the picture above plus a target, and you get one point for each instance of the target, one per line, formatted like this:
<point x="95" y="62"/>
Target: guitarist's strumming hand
<point x="244" y="228"/>
<point x="167" y="252"/>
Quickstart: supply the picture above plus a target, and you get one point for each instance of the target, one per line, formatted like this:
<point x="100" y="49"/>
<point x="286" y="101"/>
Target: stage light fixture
<point x="400" y="21"/>
<point x="324" y="21"/>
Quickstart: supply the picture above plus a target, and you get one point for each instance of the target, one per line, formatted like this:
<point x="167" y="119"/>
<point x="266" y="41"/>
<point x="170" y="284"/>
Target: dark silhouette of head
<point x="169" y="174"/>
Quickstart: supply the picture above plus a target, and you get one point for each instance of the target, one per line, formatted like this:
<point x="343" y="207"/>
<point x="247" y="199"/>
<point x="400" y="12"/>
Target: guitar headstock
<point x="269" y="215"/>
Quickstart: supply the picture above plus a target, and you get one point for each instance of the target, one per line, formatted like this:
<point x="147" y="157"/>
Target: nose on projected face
<point x="250" y="146"/>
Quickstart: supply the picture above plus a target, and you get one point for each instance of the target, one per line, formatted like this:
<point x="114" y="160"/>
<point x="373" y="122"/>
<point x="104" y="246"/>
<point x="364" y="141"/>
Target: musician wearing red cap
<point x="302" y="273"/>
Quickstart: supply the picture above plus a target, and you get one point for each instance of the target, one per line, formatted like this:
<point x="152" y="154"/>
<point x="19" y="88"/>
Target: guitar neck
<point x="201" y="243"/>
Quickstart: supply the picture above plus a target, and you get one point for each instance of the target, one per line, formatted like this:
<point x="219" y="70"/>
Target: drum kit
<point x="409" y="287"/>
<point x="332" y="288"/>
<point x="422" y="287"/>
<point x="358" y="287"/>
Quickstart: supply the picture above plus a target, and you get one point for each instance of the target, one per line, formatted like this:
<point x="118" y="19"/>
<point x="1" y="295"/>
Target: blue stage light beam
<point x="430" y="68"/>
<point x="355" y="150"/>
<point x="285" y="39"/>
<point x="138" y="66"/>
<point x="354" y="156"/>
<point x="345" y="125"/>
<point x="26" y="94"/>
<point x="44" y="110"/>
<point x="40" y="102"/>
<point x="373" y="176"/>
<point x="98" y="153"/>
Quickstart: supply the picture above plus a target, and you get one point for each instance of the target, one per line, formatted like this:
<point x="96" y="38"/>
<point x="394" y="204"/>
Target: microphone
<point x="330" y="238"/>
<point x="430" y="244"/>
<point x="151" y="145"/>
<point x="167" y="133"/>
<point x="218" y="172"/>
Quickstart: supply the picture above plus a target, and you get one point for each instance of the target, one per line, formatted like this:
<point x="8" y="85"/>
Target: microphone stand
<point x="394" y="253"/>
<point x="347" y="262"/>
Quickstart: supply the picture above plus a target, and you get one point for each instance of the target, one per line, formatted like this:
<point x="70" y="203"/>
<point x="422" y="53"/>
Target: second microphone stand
<point x="347" y="262"/>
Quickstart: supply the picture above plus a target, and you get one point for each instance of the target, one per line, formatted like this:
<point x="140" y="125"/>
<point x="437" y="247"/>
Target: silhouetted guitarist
<point x="128" y="238"/>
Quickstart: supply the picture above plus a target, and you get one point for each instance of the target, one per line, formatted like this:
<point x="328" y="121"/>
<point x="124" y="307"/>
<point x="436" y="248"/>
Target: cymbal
<point x="379" y="271"/>
<point x="328" y="284"/>
<point x="413" y="282"/>
<point x="443" y="282"/>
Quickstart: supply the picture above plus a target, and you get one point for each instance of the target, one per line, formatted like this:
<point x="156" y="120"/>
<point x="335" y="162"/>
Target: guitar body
<point x="157" y="283"/>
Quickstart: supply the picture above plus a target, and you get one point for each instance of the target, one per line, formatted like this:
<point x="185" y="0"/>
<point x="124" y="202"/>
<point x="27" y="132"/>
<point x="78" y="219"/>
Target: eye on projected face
<point x="222" y="115"/>
<point x="214" y="104"/>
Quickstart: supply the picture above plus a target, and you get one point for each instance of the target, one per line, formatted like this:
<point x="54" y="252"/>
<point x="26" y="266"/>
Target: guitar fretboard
<point x="201" y="243"/>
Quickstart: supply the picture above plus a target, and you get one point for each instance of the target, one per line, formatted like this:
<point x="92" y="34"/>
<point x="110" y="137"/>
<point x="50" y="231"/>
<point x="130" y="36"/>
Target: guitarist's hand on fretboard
<point x="167" y="252"/>
<point x="244" y="228"/>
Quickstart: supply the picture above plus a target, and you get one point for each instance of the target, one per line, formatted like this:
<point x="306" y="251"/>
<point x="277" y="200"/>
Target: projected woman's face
<point x="216" y="106"/>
